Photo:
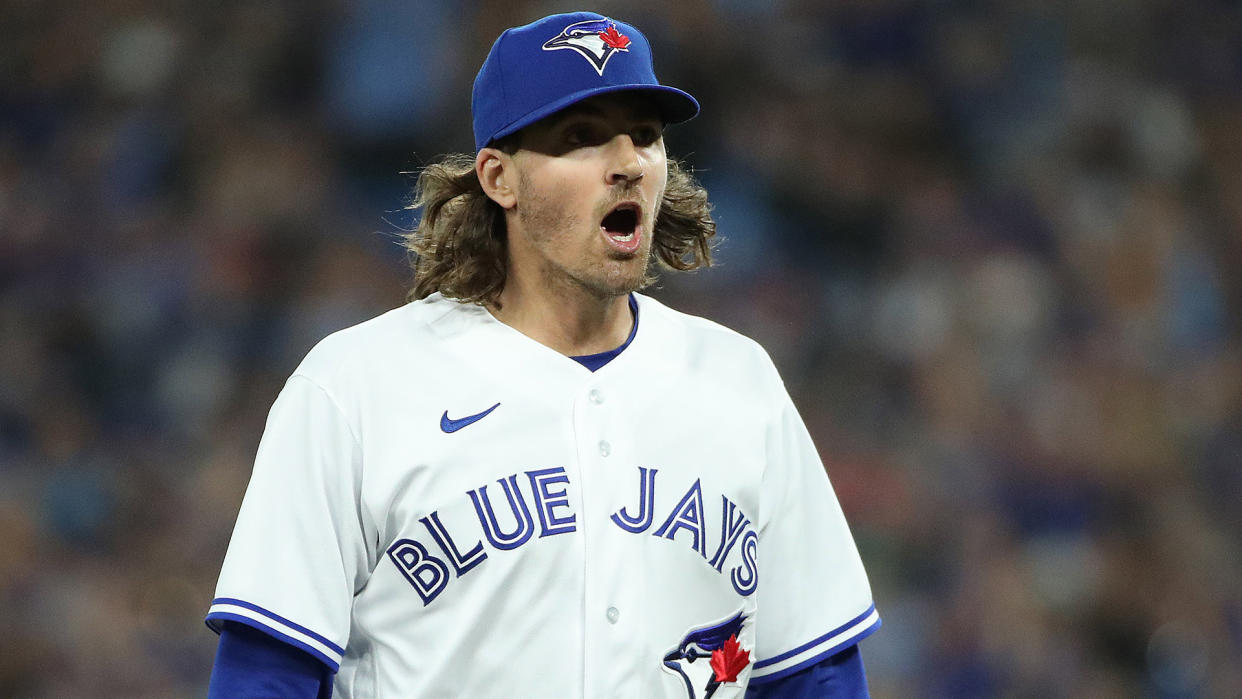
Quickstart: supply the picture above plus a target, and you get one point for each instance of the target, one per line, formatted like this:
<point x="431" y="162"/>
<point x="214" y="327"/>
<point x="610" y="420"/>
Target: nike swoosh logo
<point x="449" y="425"/>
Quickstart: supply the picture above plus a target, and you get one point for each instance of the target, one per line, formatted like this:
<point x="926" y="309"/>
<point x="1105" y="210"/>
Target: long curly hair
<point x="459" y="247"/>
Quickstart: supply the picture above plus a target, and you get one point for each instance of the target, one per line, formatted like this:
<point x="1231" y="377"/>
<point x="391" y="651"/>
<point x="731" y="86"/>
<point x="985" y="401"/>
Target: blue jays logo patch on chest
<point x="595" y="40"/>
<point x="708" y="656"/>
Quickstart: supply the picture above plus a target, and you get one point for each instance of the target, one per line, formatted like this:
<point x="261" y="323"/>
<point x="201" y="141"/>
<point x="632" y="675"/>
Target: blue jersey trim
<point x="594" y="362"/>
<point x="275" y="617"/>
<point x="816" y="658"/>
<point x="256" y="617"/>
<point x="809" y="644"/>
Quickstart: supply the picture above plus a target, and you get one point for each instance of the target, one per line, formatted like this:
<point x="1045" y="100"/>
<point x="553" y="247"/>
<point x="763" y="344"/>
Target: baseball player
<point x="532" y="481"/>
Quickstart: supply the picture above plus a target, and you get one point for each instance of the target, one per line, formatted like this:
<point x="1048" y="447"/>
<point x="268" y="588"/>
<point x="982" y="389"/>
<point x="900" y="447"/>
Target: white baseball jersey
<point x="443" y="507"/>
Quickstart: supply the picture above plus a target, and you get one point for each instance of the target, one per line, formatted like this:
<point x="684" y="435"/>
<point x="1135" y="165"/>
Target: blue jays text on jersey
<point x="428" y="570"/>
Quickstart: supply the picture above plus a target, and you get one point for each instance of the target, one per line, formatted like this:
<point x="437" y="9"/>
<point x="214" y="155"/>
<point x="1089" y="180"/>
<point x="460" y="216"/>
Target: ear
<point x="495" y="170"/>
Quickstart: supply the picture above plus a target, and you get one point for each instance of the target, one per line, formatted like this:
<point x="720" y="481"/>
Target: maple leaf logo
<point x="729" y="660"/>
<point x="614" y="38"/>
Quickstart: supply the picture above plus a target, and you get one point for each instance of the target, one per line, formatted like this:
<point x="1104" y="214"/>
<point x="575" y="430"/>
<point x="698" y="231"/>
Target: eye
<point x="646" y="134"/>
<point x="578" y="135"/>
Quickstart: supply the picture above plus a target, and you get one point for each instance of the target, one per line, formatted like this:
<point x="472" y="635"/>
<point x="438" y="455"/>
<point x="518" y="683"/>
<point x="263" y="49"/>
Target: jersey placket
<point x="608" y="602"/>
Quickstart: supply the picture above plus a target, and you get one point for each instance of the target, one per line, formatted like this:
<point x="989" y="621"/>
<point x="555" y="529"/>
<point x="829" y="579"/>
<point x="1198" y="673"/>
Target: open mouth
<point x="621" y="224"/>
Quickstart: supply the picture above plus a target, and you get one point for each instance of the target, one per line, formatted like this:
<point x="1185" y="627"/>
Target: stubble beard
<point x="606" y="277"/>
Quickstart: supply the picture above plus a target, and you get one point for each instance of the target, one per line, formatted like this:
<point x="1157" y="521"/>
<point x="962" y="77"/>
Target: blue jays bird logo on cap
<point x="718" y="645"/>
<point x="595" y="40"/>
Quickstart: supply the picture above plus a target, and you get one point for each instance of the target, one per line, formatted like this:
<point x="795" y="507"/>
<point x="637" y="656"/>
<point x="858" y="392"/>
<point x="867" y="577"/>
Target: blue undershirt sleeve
<point x="839" y="676"/>
<point x="253" y="665"/>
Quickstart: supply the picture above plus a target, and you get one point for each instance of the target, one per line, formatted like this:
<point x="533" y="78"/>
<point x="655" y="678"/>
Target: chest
<point x="604" y="520"/>
<point x="489" y="476"/>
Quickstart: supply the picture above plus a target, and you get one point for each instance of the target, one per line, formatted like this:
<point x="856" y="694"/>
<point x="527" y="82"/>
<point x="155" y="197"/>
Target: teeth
<point x="625" y="238"/>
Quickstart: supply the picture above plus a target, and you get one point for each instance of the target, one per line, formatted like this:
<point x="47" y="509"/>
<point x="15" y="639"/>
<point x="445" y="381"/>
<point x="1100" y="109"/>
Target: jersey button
<point x="612" y="615"/>
<point x="596" y="396"/>
<point x="604" y="448"/>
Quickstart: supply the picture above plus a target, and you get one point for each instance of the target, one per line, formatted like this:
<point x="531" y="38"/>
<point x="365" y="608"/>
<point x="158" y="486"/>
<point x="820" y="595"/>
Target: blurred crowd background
<point x="993" y="246"/>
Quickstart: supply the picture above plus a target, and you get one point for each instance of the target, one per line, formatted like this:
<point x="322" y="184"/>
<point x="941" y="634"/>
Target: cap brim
<point x="675" y="105"/>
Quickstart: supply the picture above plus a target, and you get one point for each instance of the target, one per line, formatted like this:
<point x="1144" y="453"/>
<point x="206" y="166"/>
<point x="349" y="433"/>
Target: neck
<point x="572" y="323"/>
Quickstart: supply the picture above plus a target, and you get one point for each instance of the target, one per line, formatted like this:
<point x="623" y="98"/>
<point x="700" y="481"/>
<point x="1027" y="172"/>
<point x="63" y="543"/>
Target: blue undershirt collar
<point x="594" y="361"/>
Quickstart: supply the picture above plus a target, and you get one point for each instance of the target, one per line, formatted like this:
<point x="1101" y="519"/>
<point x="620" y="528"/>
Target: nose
<point x="624" y="163"/>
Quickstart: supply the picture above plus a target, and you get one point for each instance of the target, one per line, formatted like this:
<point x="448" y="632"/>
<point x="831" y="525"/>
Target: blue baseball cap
<point x="538" y="69"/>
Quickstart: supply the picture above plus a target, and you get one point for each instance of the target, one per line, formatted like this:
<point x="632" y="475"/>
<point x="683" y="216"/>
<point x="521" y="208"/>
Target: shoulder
<point x="703" y="333"/>
<point x="404" y="337"/>
<point x="705" y="345"/>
